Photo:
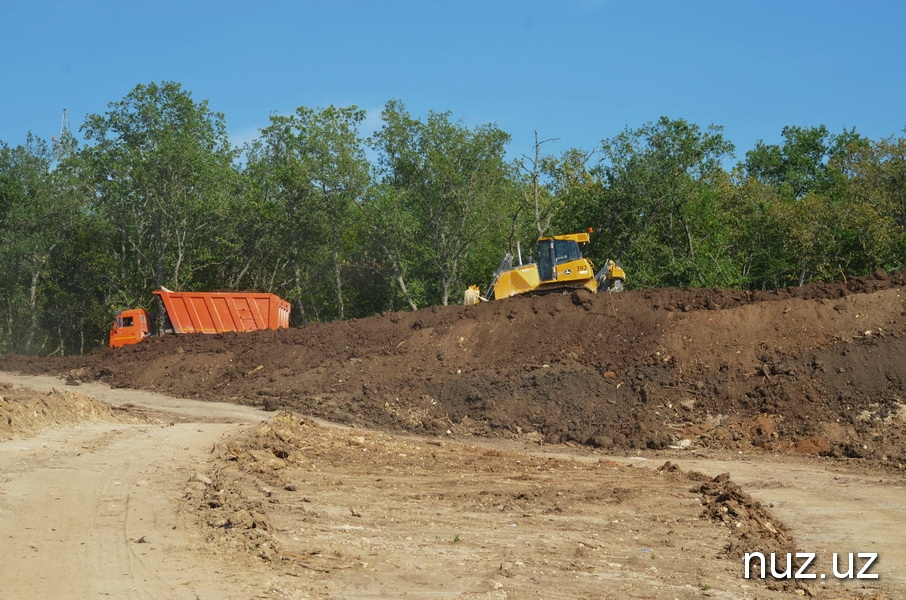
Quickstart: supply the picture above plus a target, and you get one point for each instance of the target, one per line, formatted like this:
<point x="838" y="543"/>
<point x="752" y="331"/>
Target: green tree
<point x="875" y="193"/>
<point x="78" y="287"/>
<point x="757" y="237"/>
<point x="35" y="219"/>
<point x="394" y="236"/>
<point x="161" y="167"/>
<point x="828" y="220"/>
<point x="660" y="205"/>
<point x="801" y="163"/>
<point x="255" y="257"/>
<point x="450" y="179"/>
<point x="541" y="174"/>
<point x="311" y="170"/>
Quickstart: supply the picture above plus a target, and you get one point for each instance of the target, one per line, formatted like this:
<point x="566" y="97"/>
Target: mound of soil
<point x="341" y="509"/>
<point x="816" y="370"/>
<point x="25" y="412"/>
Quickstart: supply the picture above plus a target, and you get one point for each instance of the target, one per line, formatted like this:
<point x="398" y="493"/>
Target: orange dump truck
<point x="203" y="312"/>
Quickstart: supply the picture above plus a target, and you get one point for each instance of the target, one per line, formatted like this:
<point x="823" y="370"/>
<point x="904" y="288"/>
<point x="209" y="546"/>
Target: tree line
<point x="345" y="226"/>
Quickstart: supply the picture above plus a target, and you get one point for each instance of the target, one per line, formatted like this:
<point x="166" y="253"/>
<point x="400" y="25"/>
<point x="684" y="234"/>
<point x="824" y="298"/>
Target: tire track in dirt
<point x="93" y="511"/>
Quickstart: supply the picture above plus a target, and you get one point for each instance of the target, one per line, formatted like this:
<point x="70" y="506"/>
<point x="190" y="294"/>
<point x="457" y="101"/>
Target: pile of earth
<point x="338" y="507"/>
<point x="25" y="412"/>
<point x="816" y="369"/>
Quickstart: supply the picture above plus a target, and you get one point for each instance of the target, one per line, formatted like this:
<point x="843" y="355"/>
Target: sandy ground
<point x="93" y="510"/>
<point x="172" y="498"/>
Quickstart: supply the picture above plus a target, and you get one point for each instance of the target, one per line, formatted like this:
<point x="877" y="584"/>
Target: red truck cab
<point x="129" y="327"/>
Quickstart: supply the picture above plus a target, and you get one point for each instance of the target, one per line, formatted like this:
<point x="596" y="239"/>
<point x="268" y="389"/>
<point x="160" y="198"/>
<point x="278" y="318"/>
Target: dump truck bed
<point x="218" y="312"/>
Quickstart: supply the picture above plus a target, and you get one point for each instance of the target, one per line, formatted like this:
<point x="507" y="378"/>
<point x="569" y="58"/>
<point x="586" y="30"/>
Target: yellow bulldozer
<point x="560" y="266"/>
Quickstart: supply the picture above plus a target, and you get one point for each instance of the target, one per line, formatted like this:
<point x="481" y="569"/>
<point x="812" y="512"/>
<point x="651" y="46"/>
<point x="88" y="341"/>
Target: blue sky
<point x="575" y="71"/>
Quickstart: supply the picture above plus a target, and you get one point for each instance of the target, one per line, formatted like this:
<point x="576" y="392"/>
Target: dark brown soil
<point x="817" y="370"/>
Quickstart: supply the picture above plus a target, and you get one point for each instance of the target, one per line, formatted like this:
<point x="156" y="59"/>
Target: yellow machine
<point x="560" y="266"/>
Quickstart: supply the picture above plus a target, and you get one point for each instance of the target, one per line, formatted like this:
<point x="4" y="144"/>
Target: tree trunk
<point x="445" y="293"/>
<point x="398" y="273"/>
<point x="536" y="193"/>
<point x="297" y="279"/>
<point x="33" y="311"/>
<point x="338" y="276"/>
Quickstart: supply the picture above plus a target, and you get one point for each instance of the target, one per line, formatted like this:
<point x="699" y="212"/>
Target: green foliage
<point x="307" y="172"/>
<point x="830" y="213"/>
<point x="875" y="189"/>
<point x="656" y="204"/>
<point x="157" y="197"/>
<point x="450" y="179"/>
<point x="162" y="173"/>
<point x="36" y="213"/>
<point x="801" y="164"/>
<point x="393" y="242"/>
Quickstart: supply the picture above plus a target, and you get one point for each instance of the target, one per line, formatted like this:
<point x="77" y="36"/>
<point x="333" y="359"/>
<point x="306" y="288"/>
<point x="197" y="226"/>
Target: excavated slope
<point x="819" y="369"/>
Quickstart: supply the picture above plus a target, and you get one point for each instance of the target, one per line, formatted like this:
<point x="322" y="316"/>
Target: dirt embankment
<point x="816" y="370"/>
<point x="195" y="501"/>
<point x="350" y="512"/>
<point x="25" y="412"/>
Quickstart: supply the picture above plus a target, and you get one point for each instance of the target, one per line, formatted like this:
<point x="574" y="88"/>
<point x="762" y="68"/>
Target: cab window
<point x="566" y="250"/>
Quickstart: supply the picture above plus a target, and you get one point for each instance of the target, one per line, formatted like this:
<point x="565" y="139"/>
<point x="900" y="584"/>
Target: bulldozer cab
<point x="552" y="252"/>
<point x="556" y="250"/>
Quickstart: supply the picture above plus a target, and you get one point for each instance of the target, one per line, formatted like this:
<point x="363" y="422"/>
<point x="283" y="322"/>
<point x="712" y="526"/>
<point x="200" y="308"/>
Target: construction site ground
<point x="632" y="445"/>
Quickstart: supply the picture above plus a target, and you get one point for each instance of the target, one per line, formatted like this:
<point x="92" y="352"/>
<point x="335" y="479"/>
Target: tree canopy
<point x="344" y="226"/>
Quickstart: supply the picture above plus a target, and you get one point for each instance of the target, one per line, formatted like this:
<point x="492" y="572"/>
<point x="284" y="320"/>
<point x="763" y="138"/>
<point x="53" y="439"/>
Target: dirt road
<point x="92" y="510"/>
<point x="829" y="507"/>
<point x="212" y="501"/>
